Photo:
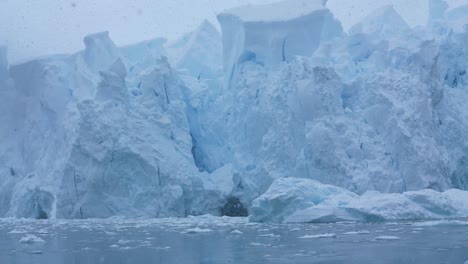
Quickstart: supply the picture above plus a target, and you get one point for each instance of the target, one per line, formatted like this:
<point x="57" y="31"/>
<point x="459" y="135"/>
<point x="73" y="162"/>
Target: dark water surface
<point x="227" y="240"/>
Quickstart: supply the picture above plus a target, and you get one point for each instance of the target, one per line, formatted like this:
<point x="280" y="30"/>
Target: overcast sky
<point x="34" y="28"/>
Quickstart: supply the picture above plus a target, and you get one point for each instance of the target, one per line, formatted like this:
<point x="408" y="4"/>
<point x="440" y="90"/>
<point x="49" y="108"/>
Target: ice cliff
<point x="282" y="114"/>
<point x="275" y="33"/>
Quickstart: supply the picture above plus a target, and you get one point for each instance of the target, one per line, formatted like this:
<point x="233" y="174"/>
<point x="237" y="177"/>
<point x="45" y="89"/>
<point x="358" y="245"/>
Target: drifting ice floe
<point x="29" y="239"/>
<point x="332" y="235"/>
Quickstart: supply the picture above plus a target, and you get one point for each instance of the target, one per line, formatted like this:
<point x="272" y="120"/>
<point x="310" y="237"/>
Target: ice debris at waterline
<point x="304" y="200"/>
<point x="283" y="106"/>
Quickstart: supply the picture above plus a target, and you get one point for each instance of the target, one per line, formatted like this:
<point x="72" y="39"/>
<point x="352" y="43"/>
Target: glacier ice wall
<point x="85" y="142"/>
<point x="198" y="53"/>
<point x="275" y="33"/>
<point x="280" y="104"/>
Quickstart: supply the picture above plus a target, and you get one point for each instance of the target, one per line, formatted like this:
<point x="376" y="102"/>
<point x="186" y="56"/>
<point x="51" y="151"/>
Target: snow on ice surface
<point x="126" y="131"/>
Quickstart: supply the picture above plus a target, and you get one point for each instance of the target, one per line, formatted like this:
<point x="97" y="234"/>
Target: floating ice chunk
<point x="123" y="242"/>
<point x="114" y="246"/>
<point x="363" y="232"/>
<point x="327" y="235"/>
<point x="287" y="195"/>
<point x="441" y="223"/>
<point x="259" y="244"/>
<point x="270" y="235"/>
<point x="299" y="200"/>
<point x="43" y="231"/>
<point x="197" y="230"/>
<point x="163" y="248"/>
<point x="17" y="231"/>
<point x="386" y="238"/>
<point x="29" y="239"/>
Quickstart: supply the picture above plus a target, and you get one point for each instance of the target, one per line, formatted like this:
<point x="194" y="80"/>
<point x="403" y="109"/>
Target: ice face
<point x="272" y="34"/>
<point x="74" y="150"/>
<point x="142" y="56"/>
<point x="100" y="51"/>
<point x="312" y="124"/>
<point x="384" y="22"/>
<point x="280" y="11"/>
<point x="437" y="9"/>
<point x="199" y="52"/>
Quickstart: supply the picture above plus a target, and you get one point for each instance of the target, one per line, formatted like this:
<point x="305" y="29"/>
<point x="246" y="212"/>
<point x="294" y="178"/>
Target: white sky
<point x="34" y="28"/>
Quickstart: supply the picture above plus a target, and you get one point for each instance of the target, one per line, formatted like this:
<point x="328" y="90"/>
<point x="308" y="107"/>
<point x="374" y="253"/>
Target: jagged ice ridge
<point x="296" y="119"/>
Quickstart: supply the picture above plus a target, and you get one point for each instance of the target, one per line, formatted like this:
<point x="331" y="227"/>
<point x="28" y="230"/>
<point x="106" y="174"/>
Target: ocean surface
<point x="210" y="239"/>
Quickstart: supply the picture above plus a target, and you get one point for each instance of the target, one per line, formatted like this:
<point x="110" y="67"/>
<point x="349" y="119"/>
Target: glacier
<point x="285" y="113"/>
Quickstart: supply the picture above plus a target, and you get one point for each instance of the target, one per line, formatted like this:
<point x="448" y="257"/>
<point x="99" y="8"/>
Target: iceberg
<point x="287" y="195"/>
<point x="301" y="200"/>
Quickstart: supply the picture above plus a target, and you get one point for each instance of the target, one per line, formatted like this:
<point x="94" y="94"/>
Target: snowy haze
<point x="36" y="28"/>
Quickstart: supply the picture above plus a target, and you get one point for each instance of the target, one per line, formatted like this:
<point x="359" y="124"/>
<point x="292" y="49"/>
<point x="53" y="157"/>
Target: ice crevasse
<point x="286" y="112"/>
